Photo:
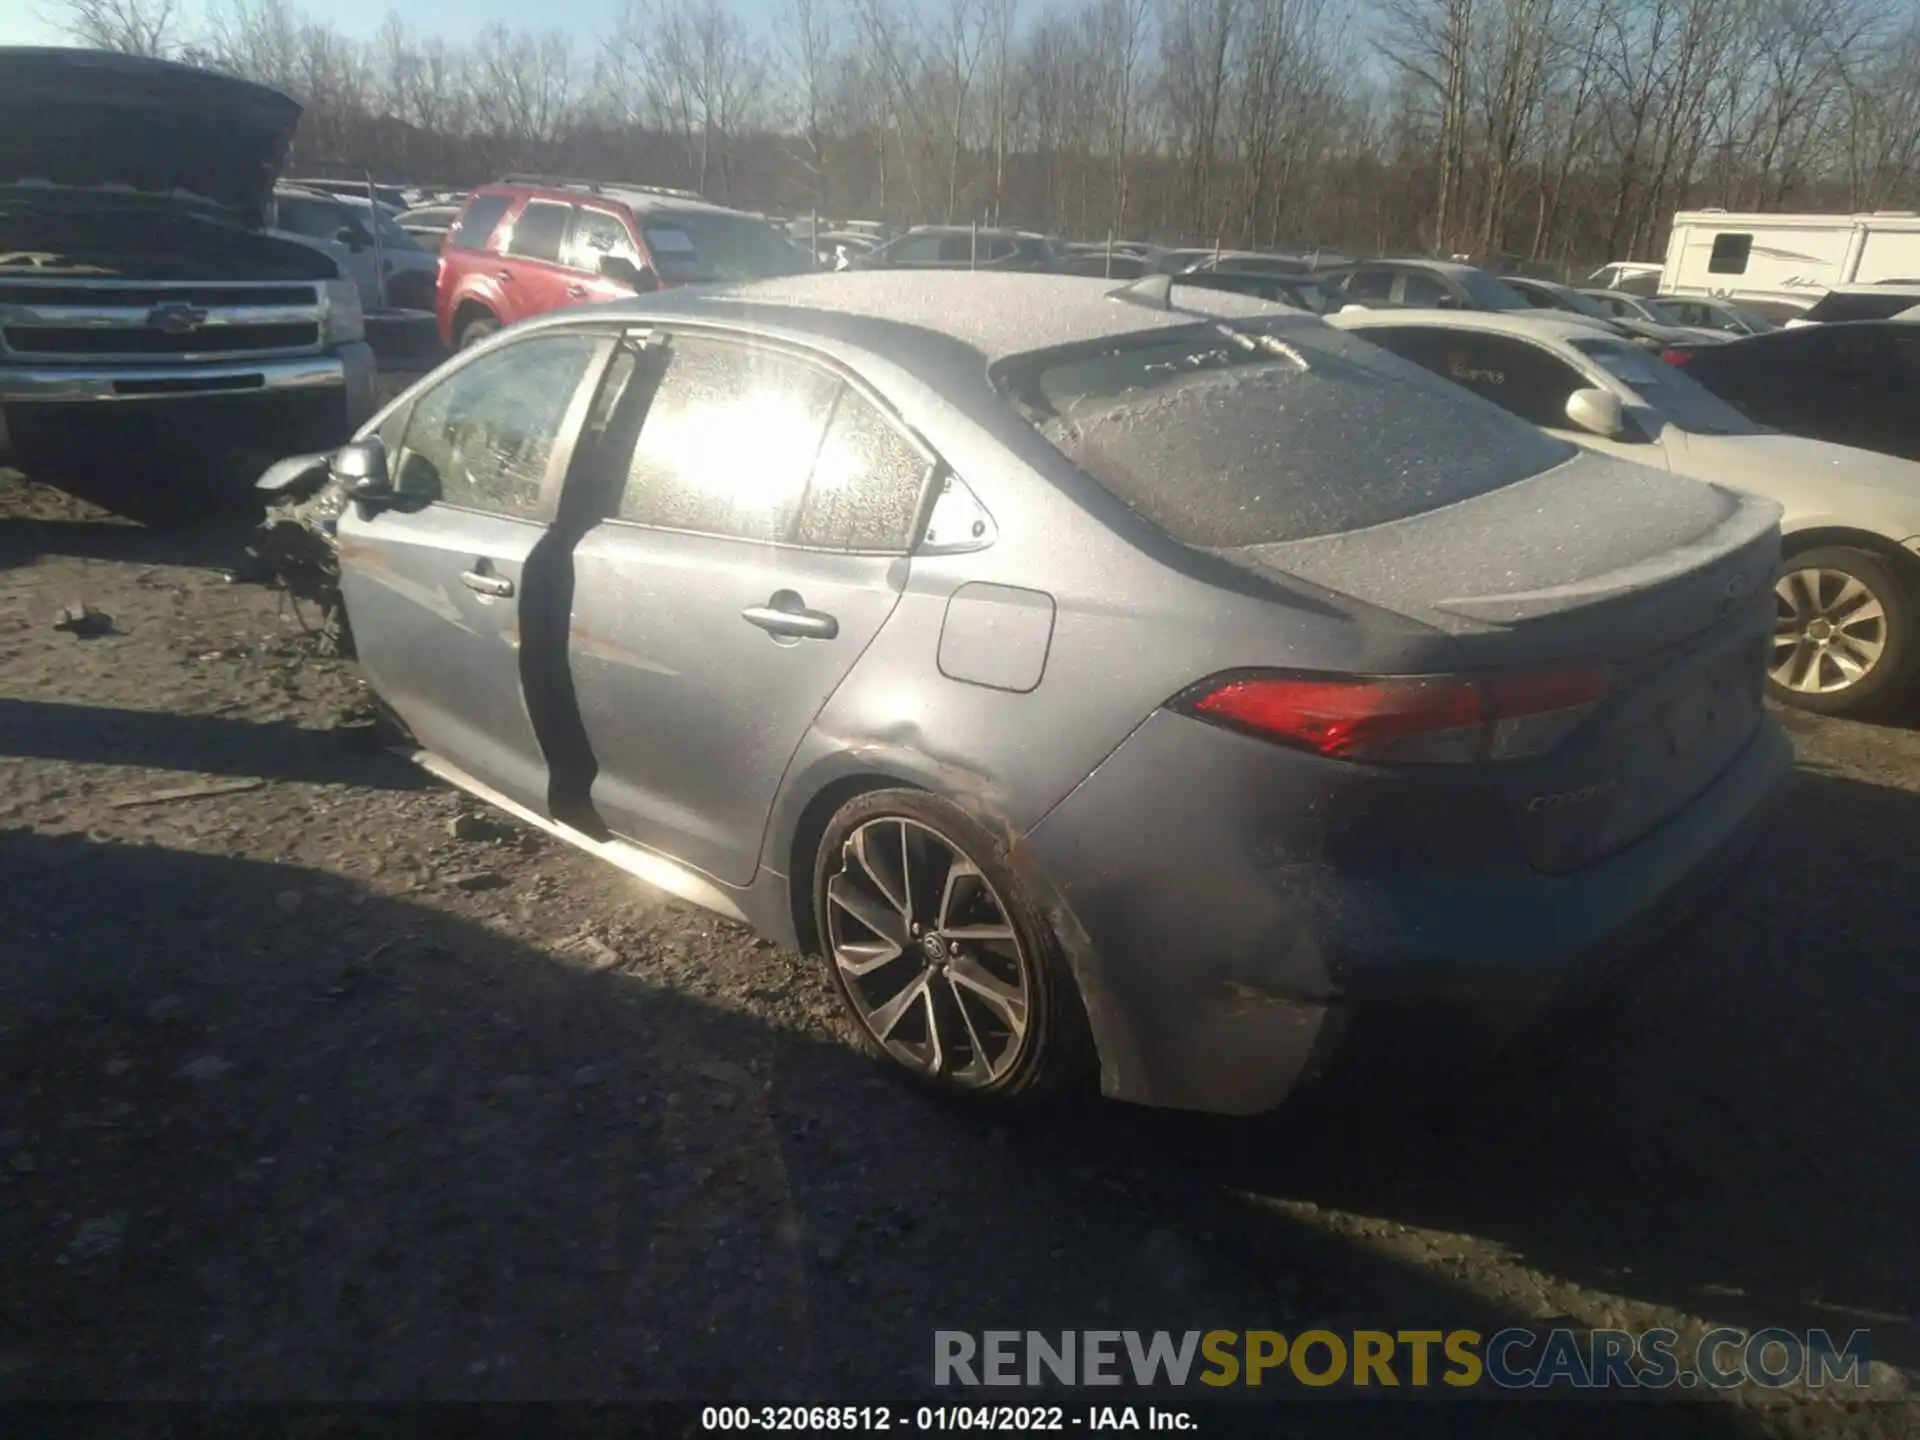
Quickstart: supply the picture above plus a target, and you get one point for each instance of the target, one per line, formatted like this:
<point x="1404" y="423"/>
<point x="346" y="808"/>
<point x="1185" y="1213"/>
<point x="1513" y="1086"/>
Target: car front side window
<point x="596" y="233"/>
<point x="484" y="438"/>
<point x="915" y="250"/>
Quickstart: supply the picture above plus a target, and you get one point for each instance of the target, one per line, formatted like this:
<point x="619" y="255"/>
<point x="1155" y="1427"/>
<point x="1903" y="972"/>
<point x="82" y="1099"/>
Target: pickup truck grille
<point x="78" y="321"/>
<point x="223" y="340"/>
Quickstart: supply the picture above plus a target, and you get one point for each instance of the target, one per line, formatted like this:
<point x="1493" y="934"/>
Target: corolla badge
<point x="1562" y="799"/>
<point x="175" y="318"/>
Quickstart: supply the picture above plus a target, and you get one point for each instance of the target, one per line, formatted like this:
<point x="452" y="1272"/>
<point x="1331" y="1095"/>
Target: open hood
<point x="89" y="119"/>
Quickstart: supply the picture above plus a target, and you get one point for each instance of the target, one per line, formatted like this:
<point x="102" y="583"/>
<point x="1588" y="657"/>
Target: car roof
<point x="1009" y="231"/>
<point x="995" y="313"/>
<point x="1530" y="324"/>
<point x="1443" y="267"/>
<point x="639" y="201"/>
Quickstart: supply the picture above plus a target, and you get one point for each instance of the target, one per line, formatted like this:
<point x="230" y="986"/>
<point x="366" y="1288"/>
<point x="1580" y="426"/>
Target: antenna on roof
<point x="1153" y="291"/>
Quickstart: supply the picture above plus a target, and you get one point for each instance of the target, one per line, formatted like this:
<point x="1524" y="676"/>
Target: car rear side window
<point x="866" y="486"/>
<point x="483" y="438"/>
<point x="476" y="227"/>
<point x="728" y="441"/>
<point x="1226" y="438"/>
<point x="539" y="231"/>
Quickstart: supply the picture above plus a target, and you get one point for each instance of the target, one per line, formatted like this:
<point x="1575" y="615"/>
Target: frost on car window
<point x="1667" y="389"/>
<point x="1223" y="441"/>
<point x="728" y="441"/>
<point x="866" y="485"/>
<point x="482" y="438"/>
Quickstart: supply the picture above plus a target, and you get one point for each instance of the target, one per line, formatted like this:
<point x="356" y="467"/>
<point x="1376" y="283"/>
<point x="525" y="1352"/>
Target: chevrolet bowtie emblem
<point x="176" y="319"/>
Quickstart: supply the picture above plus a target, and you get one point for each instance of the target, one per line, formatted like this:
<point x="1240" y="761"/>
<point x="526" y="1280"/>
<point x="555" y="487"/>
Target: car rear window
<point x="689" y="245"/>
<point x="1230" y="436"/>
<point x="1856" y="305"/>
<point x="476" y="227"/>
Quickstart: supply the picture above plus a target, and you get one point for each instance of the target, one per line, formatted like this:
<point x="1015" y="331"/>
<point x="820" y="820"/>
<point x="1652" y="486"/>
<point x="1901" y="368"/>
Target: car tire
<point x="1838" y="610"/>
<point x="977" y="998"/>
<point x="476" y="330"/>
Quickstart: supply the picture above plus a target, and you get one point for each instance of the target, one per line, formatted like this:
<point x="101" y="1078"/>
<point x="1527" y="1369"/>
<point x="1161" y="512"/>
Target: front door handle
<point x="503" y="276"/>
<point x="576" y="292"/>
<point x="482" y="583"/>
<point x="786" y="614"/>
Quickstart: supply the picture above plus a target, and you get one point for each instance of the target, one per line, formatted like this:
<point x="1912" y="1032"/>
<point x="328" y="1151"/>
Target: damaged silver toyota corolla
<point x="1211" y="693"/>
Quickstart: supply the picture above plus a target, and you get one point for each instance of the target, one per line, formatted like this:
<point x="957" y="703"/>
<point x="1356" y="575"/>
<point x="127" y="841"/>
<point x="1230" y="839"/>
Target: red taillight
<point x="1418" y="719"/>
<point x="1676" y="357"/>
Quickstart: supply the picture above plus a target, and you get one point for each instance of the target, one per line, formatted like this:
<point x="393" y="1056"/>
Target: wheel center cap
<point x="934" y="946"/>
<point x="1821" y="630"/>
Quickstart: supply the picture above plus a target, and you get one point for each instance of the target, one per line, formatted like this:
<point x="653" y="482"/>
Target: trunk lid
<point x="91" y="120"/>
<point x="1664" y="581"/>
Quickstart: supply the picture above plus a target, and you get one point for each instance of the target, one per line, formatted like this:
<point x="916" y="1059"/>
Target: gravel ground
<point x="318" y="1082"/>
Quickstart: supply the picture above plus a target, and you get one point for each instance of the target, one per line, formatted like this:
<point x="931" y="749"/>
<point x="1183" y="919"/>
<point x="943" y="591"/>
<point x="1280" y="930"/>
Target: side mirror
<point x="1598" y="412"/>
<point x="353" y="237"/>
<point x="296" y="473"/>
<point x="360" y="466"/>
<point x="621" y="270"/>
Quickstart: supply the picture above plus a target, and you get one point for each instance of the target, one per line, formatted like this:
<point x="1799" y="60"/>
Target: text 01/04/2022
<point x="936" y="1419"/>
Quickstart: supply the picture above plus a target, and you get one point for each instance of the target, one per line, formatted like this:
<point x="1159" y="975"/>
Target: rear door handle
<point x="785" y="613"/>
<point x="576" y="292"/>
<point x="503" y="276"/>
<point x="481" y="583"/>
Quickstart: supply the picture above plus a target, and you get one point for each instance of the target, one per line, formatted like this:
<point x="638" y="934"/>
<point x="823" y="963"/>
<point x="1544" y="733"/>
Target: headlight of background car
<point x="345" y="321"/>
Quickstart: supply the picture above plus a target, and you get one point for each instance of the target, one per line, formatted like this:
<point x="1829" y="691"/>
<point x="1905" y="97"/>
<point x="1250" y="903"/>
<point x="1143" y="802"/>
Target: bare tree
<point x="132" y="27"/>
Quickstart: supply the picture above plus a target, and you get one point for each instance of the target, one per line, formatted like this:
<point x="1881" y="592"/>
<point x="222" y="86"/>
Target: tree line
<point x="1564" y="132"/>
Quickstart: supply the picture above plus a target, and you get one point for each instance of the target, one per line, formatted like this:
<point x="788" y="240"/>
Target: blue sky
<point x="36" y="22"/>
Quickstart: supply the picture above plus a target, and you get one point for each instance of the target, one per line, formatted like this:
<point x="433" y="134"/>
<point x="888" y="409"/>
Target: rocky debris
<point x="477" y="880"/>
<point x="472" y="827"/>
<point x="82" y="621"/>
<point x="203" y="791"/>
<point x="96" y="1239"/>
<point x="205" y="1068"/>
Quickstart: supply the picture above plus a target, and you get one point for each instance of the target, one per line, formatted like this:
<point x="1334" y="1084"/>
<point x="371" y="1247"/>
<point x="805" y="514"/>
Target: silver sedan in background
<point x="1089" y="680"/>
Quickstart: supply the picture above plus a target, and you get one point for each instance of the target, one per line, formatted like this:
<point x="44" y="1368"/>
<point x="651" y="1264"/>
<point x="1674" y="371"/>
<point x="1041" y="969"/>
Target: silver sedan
<point x="1094" y="682"/>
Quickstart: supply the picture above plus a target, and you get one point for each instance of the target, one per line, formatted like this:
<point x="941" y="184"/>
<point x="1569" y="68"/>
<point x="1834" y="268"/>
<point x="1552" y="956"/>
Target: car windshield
<point x="1488" y="292"/>
<point x="391" y="235"/>
<point x="1576" y="302"/>
<point x="1667" y="389"/>
<point x="690" y="245"/>
<point x="1233" y="436"/>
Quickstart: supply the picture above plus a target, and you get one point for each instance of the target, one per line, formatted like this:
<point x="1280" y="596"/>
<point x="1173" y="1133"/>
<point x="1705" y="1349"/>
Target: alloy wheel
<point x="1830" y="630"/>
<point x="928" y="953"/>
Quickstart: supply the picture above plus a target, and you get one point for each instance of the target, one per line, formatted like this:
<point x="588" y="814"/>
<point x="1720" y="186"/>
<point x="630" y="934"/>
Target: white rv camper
<point x="1787" y="260"/>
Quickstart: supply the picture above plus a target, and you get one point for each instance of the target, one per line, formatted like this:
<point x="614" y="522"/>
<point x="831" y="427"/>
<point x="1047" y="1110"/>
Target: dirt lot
<point x="320" y="1083"/>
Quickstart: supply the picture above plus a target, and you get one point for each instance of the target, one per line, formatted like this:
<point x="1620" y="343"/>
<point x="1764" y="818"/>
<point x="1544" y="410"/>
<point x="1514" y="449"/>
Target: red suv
<point x="524" y="246"/>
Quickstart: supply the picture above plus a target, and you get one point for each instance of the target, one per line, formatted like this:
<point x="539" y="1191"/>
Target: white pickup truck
<point x="143" y="303"/>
